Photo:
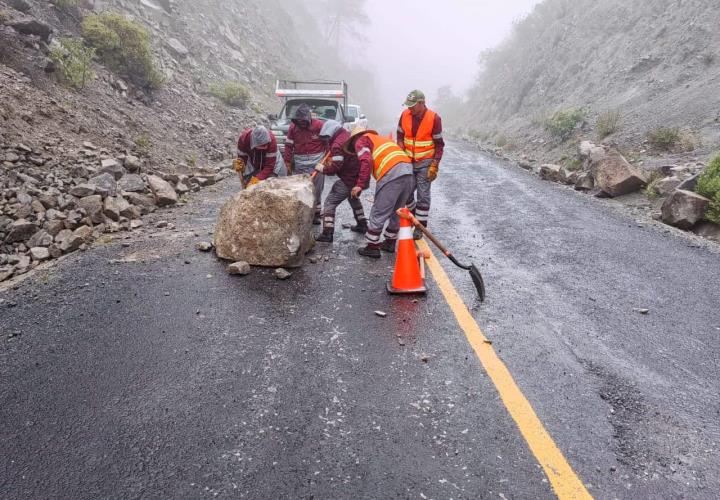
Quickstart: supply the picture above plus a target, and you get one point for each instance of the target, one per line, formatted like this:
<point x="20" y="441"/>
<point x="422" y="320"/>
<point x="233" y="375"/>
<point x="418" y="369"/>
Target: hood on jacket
<point x="259" y="136"/>
<point x="302" y="114"/>
<point x="329" y="129"/>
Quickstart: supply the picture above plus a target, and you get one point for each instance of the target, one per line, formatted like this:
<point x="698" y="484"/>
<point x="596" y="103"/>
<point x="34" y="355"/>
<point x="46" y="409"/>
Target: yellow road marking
<point x="565" y="482"/>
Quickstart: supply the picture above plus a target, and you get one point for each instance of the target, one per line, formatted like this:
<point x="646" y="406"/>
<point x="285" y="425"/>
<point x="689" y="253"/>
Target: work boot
<point x="317" y="220"/>
<point x="325" y="237"/>
<point x="388" y="246"/>
<point x="417" y="234"/>
<point x="370" y="251"/>
<point x="360" y="228"/>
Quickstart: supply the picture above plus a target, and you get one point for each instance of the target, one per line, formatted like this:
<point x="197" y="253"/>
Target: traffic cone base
<point x="409" y="274"/>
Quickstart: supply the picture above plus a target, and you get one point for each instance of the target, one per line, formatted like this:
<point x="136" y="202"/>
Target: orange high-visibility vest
<point x="422" y="145"/>
<point x="386" y="154"/>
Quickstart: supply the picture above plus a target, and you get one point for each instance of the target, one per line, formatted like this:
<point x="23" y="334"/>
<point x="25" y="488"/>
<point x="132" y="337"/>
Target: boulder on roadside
<point x="20" y="230"/>
<point x="245" y="232"/>
<point x="690" y="184"/>
<point x="93" y="206"/>
<point x="550" y="172"/>
<point x="667" y="185"/>
<point x="114" y="206"/>
<point x="584" y="182"/>
<point x="616" y="176"/>
<point x="39" y="253"/>
<point x="684" y="209"/>
<point x="145" y="203"/>
<point x="163" y="192"/>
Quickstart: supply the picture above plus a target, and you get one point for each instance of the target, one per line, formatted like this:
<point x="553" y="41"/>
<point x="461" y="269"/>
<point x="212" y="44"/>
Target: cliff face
<point x="656" y="62"/>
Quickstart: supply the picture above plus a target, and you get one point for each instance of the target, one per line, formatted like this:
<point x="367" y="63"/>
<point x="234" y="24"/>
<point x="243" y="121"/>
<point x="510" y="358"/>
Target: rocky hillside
<point x="652" y="64"/>
<point x="77" y="161"/>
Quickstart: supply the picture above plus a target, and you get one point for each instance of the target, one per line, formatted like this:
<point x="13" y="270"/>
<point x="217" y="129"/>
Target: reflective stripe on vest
<point x="386" y="154"/>
<point x="422" y="145"/>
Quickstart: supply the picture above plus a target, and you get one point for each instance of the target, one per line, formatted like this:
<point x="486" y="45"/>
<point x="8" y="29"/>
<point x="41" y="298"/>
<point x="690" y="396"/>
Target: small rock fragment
<point x="282" y="274"/>
<point x="204" y="246"/>
<point x="382" y="314"/>
<point x="241" y="268"/>
<point x="641" y="310"/>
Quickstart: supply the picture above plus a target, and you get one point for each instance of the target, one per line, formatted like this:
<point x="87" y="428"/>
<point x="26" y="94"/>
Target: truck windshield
<point x="321" y="111"/>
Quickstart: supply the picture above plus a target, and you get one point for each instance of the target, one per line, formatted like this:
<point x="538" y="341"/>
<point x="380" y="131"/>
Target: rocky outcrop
<point x="684" y="209"/>
<point x="615" y="176"/>
<point x="269" y="224"/>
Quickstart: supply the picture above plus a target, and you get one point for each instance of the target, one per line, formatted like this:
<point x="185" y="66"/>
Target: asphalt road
<point x="139" y="369"/>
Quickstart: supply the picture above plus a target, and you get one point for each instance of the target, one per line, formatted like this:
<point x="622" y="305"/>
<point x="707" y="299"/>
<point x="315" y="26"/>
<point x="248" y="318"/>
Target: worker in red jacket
<point x="347" y="168"/>
<point x="420" y="134"/>
<point x="394" y="185"/>
<point x="304" y="149"/>
<point x="257" y="155"/>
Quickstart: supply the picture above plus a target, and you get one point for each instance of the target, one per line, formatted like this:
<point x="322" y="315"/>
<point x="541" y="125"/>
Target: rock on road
<point x="140" y="369"/>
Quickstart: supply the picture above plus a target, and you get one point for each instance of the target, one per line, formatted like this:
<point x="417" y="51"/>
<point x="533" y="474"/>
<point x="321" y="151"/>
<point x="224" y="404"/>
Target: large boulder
<point x="615" y="176"/>
<point x="269" y="224"/>
<point x="162" y="191"/>
<point x="20" y="230"/>
<point x="684" y="209"/>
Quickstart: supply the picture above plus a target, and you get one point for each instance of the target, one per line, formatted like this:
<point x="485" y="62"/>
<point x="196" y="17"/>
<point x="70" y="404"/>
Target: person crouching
<point x="347" y="168"/>
<point x="257" y="156"/>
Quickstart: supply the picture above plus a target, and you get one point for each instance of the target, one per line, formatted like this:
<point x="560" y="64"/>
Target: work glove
<point x="432" y="172"/>
<point x="254" y="180"/>
<point x="320" y="167"/>
<point x="239" y="165"/>
<point x="355" y="193"/>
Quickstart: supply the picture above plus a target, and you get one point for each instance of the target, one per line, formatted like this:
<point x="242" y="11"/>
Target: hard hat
<point x="356" y="132"/>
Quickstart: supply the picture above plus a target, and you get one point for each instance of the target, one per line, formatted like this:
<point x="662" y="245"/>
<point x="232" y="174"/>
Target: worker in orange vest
<point x="420" y="134"/>
<point x="394" y="184"/>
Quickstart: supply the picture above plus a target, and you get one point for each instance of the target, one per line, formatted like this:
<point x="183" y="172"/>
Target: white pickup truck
<point x="358" y="117"/>
<point x="327" y="100"/>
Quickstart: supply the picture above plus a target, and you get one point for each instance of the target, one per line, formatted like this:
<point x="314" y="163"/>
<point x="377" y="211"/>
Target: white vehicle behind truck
<point x="327" y="100"/>
<point x="355" y="113"/>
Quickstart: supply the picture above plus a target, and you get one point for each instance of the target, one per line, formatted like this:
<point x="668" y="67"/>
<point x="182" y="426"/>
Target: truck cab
<point x="327" y="100"/>
<point x="356" y="118"/>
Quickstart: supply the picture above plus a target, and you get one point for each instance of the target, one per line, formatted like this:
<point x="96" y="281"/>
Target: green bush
<point x="143" y="144"/>
<point x="73" y="60"/>
<point x="124" y="46"/>
<point x="231" y="93"/>
<point x="654" y="178"/>
<point x="709" y="187"/>
<point x="66" y="4"/>
<point x="563" y="122"/>
<point x="664" y="138"/>
<point x="608" y="123"/>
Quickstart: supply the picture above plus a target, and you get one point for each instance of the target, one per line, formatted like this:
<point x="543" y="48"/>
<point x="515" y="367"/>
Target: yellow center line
<point x="564" y="480"/>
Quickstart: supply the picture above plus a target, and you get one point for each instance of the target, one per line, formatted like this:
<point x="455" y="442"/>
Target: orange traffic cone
<point x="409" y="276"/>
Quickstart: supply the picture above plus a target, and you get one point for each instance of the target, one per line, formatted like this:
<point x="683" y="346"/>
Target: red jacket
<point x="301" y="141"/>
<point x="263" y="161"/>
<point x="436" y="132"/>
<point x="345" y="166"/>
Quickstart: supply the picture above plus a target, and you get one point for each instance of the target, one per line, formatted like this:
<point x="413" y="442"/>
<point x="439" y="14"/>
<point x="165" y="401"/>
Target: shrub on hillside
<point x="73" y="60"/>
<point x="608" y="123"/>
<point x="709" y="187"/>
<point x="231" y="93"/>
<point x="664" y="138"/>
<point x="124" y="46"/>
<point x="563" y="122"/>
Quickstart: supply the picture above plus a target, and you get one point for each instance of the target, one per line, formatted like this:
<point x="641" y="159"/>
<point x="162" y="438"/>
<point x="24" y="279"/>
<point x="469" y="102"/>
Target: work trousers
<point x="419" y="200"/>
<point x="388" y="199"/>
<point x="339" y="193"/>
<point x="305" y="164"/>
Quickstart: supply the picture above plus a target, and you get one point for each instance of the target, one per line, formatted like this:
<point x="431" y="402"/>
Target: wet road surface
<point x="145" y="371"/>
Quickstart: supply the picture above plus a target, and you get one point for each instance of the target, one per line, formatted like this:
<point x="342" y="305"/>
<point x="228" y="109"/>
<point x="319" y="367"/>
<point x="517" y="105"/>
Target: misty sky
<point x="405" y="57"/>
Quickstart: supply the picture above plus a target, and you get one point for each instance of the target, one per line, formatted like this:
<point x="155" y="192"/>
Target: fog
<point x="427" y="44"/>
